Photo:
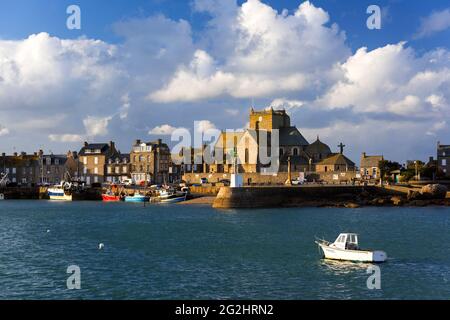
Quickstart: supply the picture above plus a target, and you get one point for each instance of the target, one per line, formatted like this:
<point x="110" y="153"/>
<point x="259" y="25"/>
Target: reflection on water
<point x="342" y="267"/>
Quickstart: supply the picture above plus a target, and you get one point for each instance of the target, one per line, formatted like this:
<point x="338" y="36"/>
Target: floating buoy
<point x="48" y="230"/>
<point x="101" y="246"/>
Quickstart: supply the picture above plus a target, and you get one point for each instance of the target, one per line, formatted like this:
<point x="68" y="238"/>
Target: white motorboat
<point x="346" y="247"/>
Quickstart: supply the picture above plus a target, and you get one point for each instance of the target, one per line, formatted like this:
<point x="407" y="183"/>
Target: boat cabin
<point x="346" y="241"/>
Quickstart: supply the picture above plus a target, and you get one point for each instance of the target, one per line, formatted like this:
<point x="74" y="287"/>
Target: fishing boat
<point x="174" y="199"/>
<point x="137" y="197"/>
<point x="106" y="197"/>
<point x="60" y="192"/>
<point x="346" y="247"/>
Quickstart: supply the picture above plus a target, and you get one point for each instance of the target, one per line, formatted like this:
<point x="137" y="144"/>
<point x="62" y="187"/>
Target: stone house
<point x="150" y="162"/>
<point x="118" y="168"/>
<point x="93" y="158"/>
<point x="370" y="166"/>
<point x="336" y="163"/>
<point x="21" y="169"/>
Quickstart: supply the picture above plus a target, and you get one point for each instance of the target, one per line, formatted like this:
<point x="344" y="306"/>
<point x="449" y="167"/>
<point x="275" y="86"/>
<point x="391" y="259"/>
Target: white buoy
<point x="101" y="246"/>
<point x="48" y="230"/>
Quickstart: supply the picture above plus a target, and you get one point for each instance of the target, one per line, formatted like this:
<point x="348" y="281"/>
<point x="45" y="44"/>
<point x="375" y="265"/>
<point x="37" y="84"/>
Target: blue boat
<point x="137" y="197"/>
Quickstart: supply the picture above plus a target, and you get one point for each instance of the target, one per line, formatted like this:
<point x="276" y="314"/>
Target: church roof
<point x="337" y="159"/>
<point x="318" y="147"/>
<point x="290" y="136"/>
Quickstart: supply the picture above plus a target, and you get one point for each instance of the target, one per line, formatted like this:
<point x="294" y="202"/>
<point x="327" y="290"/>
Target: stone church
<point x="293" y="147"/>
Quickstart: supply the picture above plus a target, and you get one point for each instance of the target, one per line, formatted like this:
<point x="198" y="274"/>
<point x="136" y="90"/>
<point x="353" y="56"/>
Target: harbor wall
<point x="270" y="197"/>
<point x="273" y="179"/>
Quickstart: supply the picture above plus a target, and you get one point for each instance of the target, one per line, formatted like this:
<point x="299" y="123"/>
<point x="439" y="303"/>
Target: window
<point x="84" y="170"/>
<point x="57" y="162"/>
<point x="295" y="151"/>
<point x="96" y="170"/>
<point x="48" y="161"/>
<point x="95" y="160"/>
<point x="84" y="160"/>
<point x="281" y="151"/>
<point x="13" y="170"/>
<point x="124" y="169"/>
<point x="444" y="162"/>
<point x="246" y="155"/>
<point x="109" y="169"/>
<point x="95" y="179"/>
<point x="117" y="170"/>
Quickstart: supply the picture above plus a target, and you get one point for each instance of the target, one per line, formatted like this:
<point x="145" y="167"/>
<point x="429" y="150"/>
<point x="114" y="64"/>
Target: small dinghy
<point x="346" y="248"/>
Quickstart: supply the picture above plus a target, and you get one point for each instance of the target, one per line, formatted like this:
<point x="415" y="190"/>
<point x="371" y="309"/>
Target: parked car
<point x="203" y="180"/>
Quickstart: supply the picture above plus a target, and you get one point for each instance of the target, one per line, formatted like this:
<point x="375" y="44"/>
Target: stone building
<point x="246" y="144"/>
<point x="21" y="169"/>
<point x="335" y="163"/>
<point x="118" y="168"/>
<point x="443" y="159"/>
<point x="370" y="166"/>
<point x="52" y="168"/>
<point x="150" y="162"/>
<point x="93" y="158"/>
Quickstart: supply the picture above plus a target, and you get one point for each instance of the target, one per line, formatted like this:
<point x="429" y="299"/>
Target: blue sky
<point x="19" y="18"/>
<point x="140" y="69"/>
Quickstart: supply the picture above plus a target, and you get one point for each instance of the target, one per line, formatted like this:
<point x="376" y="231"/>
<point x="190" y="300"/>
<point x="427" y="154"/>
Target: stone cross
<point x="341" y="147"/>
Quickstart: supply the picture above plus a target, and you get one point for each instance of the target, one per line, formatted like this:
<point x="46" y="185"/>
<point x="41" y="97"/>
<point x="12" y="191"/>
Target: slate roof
<point x="337" y="159"/>
<point x="290" y="136"/>
<point x="318" y="147"/>
<point x="103" y="147"/>
<point x="370" y="161"/>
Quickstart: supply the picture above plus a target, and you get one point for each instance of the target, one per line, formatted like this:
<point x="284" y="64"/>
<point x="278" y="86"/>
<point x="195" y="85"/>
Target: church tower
<point x="269" y="119"/>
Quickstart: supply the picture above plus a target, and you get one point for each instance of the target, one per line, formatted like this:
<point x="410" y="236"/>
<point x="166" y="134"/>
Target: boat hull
<point x="137" y="199"/>
<point x="352" y="255"/>
<point x="173" y="200"/>
<point x="110" y="198"/>
<point x="56" y="196"/>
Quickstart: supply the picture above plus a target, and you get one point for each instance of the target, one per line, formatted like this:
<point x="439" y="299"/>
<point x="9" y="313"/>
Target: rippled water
<point x="195" y="252"/>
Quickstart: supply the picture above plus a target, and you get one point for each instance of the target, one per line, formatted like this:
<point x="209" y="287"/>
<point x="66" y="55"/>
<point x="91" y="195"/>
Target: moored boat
<point x="346" y="247"/>
<point x="137" y="197"/>
<point x="60" y="192"/>
<point x="110" y="198"/>
<point x="173" y="199"/>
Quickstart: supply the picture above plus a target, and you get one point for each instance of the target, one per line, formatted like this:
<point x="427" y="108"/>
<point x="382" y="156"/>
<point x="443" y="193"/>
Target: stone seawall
<point x="270" y="197"/>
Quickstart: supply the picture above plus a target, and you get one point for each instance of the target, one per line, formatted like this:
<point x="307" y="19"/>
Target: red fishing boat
<point x="110" y="197"/>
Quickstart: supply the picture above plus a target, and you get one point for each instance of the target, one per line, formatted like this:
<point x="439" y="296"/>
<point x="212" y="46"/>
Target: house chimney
<point x="137" y="141"/>
<point x="159" y="141"/>
<point x="363" y="154"/>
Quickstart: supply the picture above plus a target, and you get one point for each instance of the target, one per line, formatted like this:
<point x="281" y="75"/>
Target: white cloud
<point x="204" y="126"/>
<point x="165" y="130"/>
<point x="266" y="53"/>
<point x="286" y="104"/>
<point x="66" y="137"/>
<point x="436" y="22"/>
<point x="232" y="112"/>
<point x="3" y="131"/>
<point x="96" y="126"/>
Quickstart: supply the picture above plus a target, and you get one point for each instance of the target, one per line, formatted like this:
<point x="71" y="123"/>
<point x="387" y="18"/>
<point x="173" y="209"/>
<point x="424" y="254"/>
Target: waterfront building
<point x="73" y="167"/>
<point x="93" y="158"/>
<point x="21" y="169"/>
<point x="443" y="159"/>
<point x="370" y="166"/>
<point x="118" y="168"/>
<point x="150" y="162"/>
<point x="245" y="144"/>
<point x="52" y="168"/>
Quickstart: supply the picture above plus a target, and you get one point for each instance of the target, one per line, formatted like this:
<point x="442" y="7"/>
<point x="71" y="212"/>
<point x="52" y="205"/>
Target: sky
<point x="139" y="69"/>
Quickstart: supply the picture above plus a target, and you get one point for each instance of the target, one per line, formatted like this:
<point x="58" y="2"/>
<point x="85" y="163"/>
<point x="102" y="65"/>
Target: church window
<point x="295" y="152"/>
<point x="246" y="155"/>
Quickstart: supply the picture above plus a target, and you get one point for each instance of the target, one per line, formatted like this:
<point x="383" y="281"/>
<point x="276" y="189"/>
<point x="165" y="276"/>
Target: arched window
<point x="281" y="151"/>
<point x="246" y="155"/>
<point x="295" y="151"/>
